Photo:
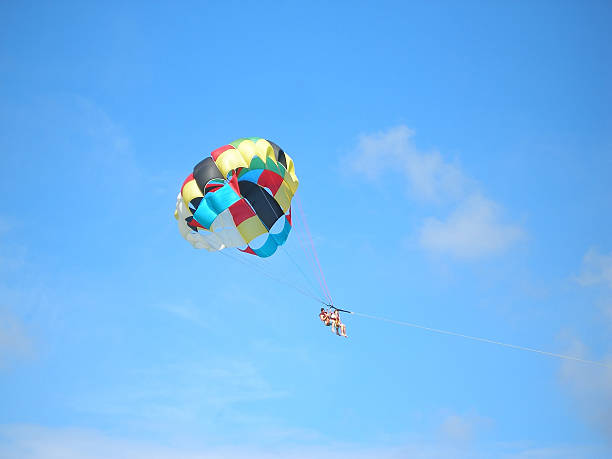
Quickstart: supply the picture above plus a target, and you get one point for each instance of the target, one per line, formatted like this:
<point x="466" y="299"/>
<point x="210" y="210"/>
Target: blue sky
<point x="455" y="166"/>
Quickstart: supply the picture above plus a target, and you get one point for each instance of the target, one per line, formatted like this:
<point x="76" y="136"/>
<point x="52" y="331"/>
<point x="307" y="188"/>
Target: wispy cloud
<point x="39" y="442"/>
<point x="473" y="229"/>
<point x="187" y="311"/>
<point x="108" y="153"/>
<point x="429" y="176"/>
<point x="591" y="388"/>
<point x="606" y="309"/>
<point x="463" y="428"/>
<point x="181" y="395"/>
<point x="596" y="269"/>
<point x="14" y="341"/>
<point x="5" y="225"/>
<point x="12" y="255"/>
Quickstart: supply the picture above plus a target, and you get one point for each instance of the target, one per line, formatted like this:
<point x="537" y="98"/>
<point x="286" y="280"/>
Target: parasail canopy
<point x="239" y="196"/>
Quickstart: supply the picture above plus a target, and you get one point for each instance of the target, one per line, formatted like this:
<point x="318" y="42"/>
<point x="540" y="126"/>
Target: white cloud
<point x="463" y="428"/>
<point x="596" y="269"/>
<point x="429" y="176"/>
<point x="606" y="309"/>
<point x="185" y="310"/>
<point x="472" y="230"/>
<point x="12" y="255"/>
<point x="14" y="342"/>
<point x="107" y="150"/>
<point x="591" y="387"/>
<point x="39" y="442"/>
<point x="5" y="224"/>
<point x="179" y="396"/>
<point x="458" y="428"/>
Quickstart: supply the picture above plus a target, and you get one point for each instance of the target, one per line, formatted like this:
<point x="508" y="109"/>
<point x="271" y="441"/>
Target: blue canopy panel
<point x="273" y="242"/>
<point x="214" y="203"/>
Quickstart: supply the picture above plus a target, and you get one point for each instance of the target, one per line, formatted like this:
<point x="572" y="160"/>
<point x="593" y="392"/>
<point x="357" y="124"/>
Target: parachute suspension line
<point x="484" y="340"/>
<point x="308" y="281"/>
<point x="308" y="255"/>
<point x="310" y="259"/>
<point x="314" y="250"/>
<point x="297" y="265"/>
<point x="301" y="237"/>
<point x="262" y="270"/>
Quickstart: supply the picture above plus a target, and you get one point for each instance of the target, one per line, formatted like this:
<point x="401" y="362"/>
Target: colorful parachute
<point x="239" y="196"/>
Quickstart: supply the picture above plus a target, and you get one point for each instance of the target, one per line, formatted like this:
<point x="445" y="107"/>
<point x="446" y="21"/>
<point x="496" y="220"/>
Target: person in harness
<point x="331" y="317"/>
<point x="324" y="316"/>
<point x="337" y="326"/>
